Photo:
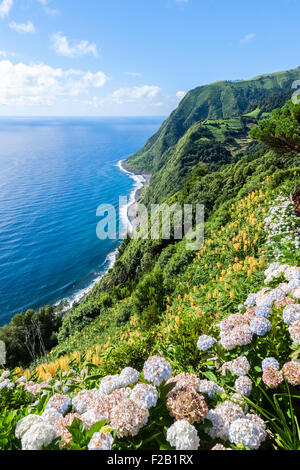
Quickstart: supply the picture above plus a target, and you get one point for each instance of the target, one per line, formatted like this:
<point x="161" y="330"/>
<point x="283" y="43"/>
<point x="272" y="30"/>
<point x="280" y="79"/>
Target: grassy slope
<point x="207" y="287"/>
<point x="209" y="144"/>
<point x="178" y="266"/>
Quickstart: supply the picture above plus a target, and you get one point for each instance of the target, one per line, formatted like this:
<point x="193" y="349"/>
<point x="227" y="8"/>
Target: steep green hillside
<point x="219" y="100"/>
<point x="209" y="144"/>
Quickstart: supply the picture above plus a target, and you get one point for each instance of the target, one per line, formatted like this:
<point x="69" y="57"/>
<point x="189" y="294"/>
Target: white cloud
<point x="180" y="95"/>
<point x="41" y="84"/>
<point x="6" y="54"/>
<point x="134" y="100"/>
<point x="49" y="11"/>
<point x="5" y="7"/>
<point x="62" y="47"/>
<point x="132" y="94"/>
<point x="22" y="27"/>
<point x="248" y="38"/>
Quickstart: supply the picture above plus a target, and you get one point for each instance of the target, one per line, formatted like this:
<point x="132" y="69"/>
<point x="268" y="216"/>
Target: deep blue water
<point x="54" y="173"/>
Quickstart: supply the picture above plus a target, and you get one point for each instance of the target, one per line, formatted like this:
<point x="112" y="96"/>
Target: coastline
<point x="141" y="180"/>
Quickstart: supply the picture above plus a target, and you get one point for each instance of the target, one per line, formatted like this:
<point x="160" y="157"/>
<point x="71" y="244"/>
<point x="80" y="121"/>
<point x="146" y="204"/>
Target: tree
<point x="30" y="335"/>
<point x="281" y="131"/>
<point x="149" y="297"/>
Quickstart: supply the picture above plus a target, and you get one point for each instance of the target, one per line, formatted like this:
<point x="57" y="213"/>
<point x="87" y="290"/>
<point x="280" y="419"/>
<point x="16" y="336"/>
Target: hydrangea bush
<point x="244" y="395"/>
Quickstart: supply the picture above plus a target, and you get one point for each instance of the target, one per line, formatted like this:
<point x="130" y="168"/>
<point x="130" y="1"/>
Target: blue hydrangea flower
<point x="260" y="326"/>
<point x="205" y="342"/>
<point x="270" y="361"/>
<point x="262" y="311"/>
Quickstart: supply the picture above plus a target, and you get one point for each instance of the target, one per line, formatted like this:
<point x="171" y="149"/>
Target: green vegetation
<point x="30" y="335"/>
<point x="281" y="130"/>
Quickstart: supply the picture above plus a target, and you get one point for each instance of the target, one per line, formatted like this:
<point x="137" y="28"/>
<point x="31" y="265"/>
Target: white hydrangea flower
<point x="128" y="376"/>
<point x="61" y="403"/>
<point x="183" y="436"/>
<point x="244" y="431"/>
<point x="84" y="400"/>
<point x="131" y="375"/>
<point x="38" y="436"/>
<point x="110" y="383"/>
<point x="220" y="447"/>
<point x="260" y="425"/>
<point x="205" y="342"/>
<point x="6" y="384"/>
<point x="5" y="374"/>
<point x="251" y="300"/>
<point x="51" y="415"/>
<point x="262" y="311"/>
<point x="243" y="385"/>
<point x="128" y="417"/>
<point x="91" y="417"/>
<point x="294" y="330"/>
<point x="270" y="361"/>
<point x="292" y="272"/>
<point x="260" y="326"/>
<point x="145" y="394"/>
<point x="210" y="388"/>
<point x="219" y="429"/>
<point x="291" y="314"/>
<point x="156" y="370"/>
<point x="296" y="293"/>
<point x="26" y="423"/>
<point x="240" y="366"/>
<point x="265" y="301"/>
<point x="21" y="380"/>
<point x="221" y="417"/>
<point x="273" y="267"/>
<point x="101" y="441"/>
<point x="293" y="284"/>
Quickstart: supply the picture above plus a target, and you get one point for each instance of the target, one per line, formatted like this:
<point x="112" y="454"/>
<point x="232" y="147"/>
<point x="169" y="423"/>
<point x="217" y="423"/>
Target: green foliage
<point x="258" y="107"/>
<point x="8" y="423"/>
<point x="11" y="399"/>
<point x="30" y="335"/>
<point x="281" y="131"/>
<point x="81" y="435"/>
<point x="82" y="315"/>
<point x="149" y="298"/>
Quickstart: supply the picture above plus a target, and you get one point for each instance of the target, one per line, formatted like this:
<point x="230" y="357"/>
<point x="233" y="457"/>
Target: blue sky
<point x="135" y="57"/>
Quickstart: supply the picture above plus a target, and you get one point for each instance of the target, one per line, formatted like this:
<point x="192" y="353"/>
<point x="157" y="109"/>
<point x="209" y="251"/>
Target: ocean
<point x="54" y="173"/>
